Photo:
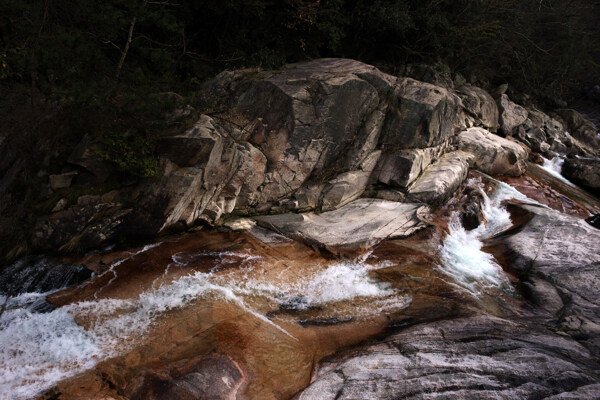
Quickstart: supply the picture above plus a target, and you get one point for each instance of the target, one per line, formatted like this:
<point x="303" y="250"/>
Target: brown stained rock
<point x="492" y="154"/>
<point x="213" y="377"/>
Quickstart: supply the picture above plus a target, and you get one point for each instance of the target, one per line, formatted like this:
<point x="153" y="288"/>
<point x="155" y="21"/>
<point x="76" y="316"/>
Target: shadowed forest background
<point x="110" y="69"/>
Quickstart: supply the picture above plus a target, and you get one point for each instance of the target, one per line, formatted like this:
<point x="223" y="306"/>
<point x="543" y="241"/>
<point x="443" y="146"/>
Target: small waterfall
<point x="554" y="168"/>
<point x="472" y="269"/>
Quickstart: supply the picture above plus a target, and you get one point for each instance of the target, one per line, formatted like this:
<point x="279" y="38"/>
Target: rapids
<point x="39" y="349"/>
<point x="554" y="167"/>
<point x="279" y="308"/>
<point x="462" y="258"/>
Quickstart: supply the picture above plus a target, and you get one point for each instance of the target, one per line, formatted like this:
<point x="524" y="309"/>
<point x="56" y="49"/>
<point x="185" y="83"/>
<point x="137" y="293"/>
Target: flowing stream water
<point x="461" y="254"/>
<point x="554" y="167"/>
<point x="40" y="347"/>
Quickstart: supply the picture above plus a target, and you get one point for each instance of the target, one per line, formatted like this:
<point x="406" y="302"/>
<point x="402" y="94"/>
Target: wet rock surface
<point x="39" y="274"/>
<point x="212" y="377"/>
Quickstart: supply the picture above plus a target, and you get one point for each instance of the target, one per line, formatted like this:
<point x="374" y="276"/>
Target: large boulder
<point x="401" y="167"/>
<point x="558" y="258"/>
<point x="493" y="155"/>
<point x="310" y="119"/>
<point x="479" y="357"/>
<point x="480" y="105"/>
<point x="584" y="172"/>
<point x="441" y="179"/>
<point x="581" y="128"/>
<point x="356" y="226"/>
<point x="421" y="115"/>
<point x="225" y="175"/>
<point x="511" y="115"/>
<point x="308" y="136"/>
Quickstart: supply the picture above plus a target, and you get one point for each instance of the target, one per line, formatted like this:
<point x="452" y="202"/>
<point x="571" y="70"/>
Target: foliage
<point x="82" y="49"/>
<point x="129" y="152"/>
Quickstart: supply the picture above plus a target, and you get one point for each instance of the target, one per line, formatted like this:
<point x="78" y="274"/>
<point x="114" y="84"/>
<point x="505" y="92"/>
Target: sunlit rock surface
<point x="359" y="225"/>
<point x="441" y="179"/>
<point x="493" y="155"/>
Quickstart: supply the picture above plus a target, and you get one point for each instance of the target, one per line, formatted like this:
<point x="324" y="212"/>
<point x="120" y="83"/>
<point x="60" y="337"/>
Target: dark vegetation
<point x="110" y="69"/>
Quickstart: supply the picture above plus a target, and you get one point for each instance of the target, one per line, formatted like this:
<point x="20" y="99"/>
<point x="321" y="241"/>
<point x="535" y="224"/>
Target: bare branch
<point x="126" y="49"/>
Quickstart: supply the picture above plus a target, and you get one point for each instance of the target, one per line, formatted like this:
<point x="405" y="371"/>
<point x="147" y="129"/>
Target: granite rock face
<point x="470" y="358"/>
<point x="307" y="137"/>
<point x="480" y="105"/>
<point x="493" y="155"/>
<point x="400" y="168"/>
<point x="559" y="257"/>
<point x="581" y="128"/>
<point x="311" y="136"/>
<point x="441" y="179"/>
<point x="421" y="115"/>
<point x="358" y="225"/>
<point x="511" y="115"/>
<point x="584" y="172"/>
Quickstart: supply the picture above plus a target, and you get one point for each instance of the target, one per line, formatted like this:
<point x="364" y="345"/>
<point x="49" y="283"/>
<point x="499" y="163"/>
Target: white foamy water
<point x="37" y="350"/>
<point x="472" y="269"/>
<point x="554" y="168"/>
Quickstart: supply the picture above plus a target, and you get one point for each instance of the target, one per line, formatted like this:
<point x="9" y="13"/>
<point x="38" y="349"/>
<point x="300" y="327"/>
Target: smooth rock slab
<point x="557" y="257"/>
<point x="479" y="357"/>
<point x="358" y="225"/>
<point x="441" y="179"/>
<point x="493" y="155"/>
